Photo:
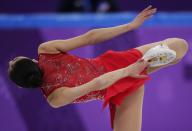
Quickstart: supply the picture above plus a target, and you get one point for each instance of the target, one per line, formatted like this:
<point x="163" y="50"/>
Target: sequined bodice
<point x="64" y="69"/>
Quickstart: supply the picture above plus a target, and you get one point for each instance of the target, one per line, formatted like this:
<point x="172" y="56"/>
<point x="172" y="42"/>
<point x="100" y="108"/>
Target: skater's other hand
<point x="142" y="16"/>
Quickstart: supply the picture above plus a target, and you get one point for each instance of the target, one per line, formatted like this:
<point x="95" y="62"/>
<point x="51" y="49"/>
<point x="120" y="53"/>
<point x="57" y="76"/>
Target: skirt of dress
<point x="115" y="94"/>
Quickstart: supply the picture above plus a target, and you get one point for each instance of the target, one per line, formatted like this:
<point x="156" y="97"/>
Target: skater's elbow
<point x="56" y="101"/>
<point x="53" y="105"/>
<point x="53" y="102"/>
<point x="57" y="104"/>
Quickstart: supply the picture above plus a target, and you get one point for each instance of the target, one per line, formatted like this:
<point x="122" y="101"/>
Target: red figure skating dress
<point x="64" y="69"/>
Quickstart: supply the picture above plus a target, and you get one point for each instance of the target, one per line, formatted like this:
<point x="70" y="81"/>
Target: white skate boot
<point x="159" y="55"/>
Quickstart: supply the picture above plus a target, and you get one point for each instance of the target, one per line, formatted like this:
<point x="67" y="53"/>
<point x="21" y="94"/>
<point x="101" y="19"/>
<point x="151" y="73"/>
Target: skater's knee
<point x="179" y="45"/>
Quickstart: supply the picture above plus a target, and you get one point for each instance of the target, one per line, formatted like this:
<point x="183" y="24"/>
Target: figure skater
<point x="116" y="77"/>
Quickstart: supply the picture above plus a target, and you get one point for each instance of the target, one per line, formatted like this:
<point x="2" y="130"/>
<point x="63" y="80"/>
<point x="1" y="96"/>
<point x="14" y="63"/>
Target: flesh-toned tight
<point x="128" y="116"/>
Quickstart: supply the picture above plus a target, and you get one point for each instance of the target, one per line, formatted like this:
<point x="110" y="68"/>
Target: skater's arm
<point x="65" y="95"/>
<point x="96" y="35"/>
<point x="59" y="45"/>
<point x="103" y="34"/>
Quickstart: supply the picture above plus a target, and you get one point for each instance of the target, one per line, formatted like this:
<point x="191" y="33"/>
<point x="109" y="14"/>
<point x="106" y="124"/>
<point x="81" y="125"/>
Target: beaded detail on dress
<point x="68" y="70"/>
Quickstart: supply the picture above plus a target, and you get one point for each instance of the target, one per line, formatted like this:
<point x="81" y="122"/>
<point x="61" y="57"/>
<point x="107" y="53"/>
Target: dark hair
<point x="26" y="73"/>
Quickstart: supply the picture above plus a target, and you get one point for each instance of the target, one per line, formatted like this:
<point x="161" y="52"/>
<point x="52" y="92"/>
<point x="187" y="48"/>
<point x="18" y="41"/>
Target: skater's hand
<point x="135" y="69"/>
<point x="142" y="16"/>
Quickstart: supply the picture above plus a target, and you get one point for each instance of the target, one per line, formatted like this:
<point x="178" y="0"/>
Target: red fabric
<point x="115" y="94"/>
<point x="64" y="69"/>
